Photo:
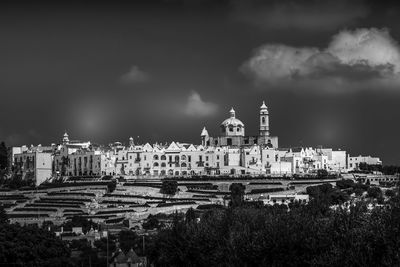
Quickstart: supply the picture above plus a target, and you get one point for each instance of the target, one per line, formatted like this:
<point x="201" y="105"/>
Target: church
<point x="233" y="132"/>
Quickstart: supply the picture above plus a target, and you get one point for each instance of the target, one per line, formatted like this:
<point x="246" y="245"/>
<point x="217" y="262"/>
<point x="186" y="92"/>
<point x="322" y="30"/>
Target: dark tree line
<point x="30" y="246"/>
<point x="298" y="235"/>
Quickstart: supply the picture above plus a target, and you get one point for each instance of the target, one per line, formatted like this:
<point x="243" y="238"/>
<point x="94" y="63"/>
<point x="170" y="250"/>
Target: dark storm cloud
<point x="305" y="15"/>
<point x="353" y="59"/>
<point x="61" y="67"/>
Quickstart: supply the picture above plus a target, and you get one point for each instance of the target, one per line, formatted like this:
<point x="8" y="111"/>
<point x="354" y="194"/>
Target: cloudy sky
<point x="329" y="71"/>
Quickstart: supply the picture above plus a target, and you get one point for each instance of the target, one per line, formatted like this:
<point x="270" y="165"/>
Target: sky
<point x="329" y="71"/>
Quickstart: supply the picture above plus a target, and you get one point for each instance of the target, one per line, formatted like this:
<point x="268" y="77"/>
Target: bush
<point x="345" y="183"/>
<point x="374" y="192"/>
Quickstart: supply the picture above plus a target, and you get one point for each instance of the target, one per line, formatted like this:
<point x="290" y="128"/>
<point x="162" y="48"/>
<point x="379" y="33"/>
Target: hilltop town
<point x="231" y="153"/>
<point x="89" y="193"/>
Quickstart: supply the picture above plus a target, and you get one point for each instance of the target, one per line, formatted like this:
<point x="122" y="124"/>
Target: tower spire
<point x="264" y="120"/>
<point x="232" y="113"/>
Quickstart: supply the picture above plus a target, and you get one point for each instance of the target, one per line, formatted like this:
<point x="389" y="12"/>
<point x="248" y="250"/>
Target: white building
<point x="36" y="165"/>
<point x="354" y="162"/>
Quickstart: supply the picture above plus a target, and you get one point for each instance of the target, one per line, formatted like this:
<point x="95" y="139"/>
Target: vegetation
<point x="31" y="246"/>
<point x="111" y="186"/>
<point x="3" y="156"/>
<point x="169" y="187"/>
<point x="388" y="170"/>
<point x="310" y="234"/>
<point x="237" y="194"/>
<point x="79" y="221"/>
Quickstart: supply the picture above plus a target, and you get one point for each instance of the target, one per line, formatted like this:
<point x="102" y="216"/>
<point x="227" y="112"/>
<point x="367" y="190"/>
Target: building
<point x="233" y="132"/>
<point x="354" y="162"/>
<point x="34" y="164"/>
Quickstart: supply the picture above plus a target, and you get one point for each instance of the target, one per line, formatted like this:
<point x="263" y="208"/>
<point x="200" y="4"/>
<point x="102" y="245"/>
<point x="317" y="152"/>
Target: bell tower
<point x="264" y="120"/>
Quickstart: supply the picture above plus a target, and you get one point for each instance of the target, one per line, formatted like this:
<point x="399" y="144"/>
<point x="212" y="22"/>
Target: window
<point x="144" y="157"/>
<point x="238" y="129"/>
<point x="163" y="164"/>
<point x="176" y="158"/>
<point x="155" y="164"/>
<point x="231" y="129"/>
<point x="163" y="157"/>
<point x="263" y="120"/>
<point x="217" y="156"/>
<point x="130" y="157"/>
<point x="183" y="157"/>
<point x="189" y="158"/>
<point x="155" y="157"/>
<point x="206" y="158"/>
<point x="267" y="156"/>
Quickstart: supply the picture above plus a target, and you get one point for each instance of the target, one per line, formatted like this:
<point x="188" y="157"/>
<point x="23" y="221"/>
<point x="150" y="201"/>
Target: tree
<point x="344" y="183"/>
<point x="127" y="240"/>
<point x="237" y="194"/>
<point x="151" y="223"/>
<point x="390" y="193"/>
<point x="101" y="244"/>
<point x="3" y="156"/>
<point x="190" y="215"/>
<point x="111" y="186"/>
<point x="275" y="236"/>
<point x="322" y="173"/>
<point x="3" y="215"/>
<point x="169" y="187"/>
<point x="31" y="246"/>
<point x="374" y="192"/>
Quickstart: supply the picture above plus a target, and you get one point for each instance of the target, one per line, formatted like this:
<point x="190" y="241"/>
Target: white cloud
<point x="196" y="107"/>
<point x="352" y="57"/>
<point x="375" y="47"/>
<point x="135" y="75"/>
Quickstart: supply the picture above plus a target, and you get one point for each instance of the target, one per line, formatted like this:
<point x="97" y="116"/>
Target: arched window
<point x="183" y="165"/>
<point x="155" y="164"/>
<point x="155" y="157"/>
<point x="183" y="157"/>
<point x="163" y="164"/>
<point x="238" y="129"/>
<point x="163" y="157"/>
<point x="263" y="120"/>
<point x="171" y="172"/>
<point x="230" y="128"/>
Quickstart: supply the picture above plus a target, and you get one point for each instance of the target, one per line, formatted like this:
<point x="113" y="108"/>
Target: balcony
<point x="200" y="163"/>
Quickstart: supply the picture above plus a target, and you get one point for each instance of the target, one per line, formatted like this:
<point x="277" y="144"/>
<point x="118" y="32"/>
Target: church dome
<point x="232" y="120"/>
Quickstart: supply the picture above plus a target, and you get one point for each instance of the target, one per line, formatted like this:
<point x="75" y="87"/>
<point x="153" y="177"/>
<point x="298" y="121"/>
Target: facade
<point x="35" y="165"/>
<point x="232" y="152"/>
<point x="233" y="132"/>
<point x="354" y="162"/>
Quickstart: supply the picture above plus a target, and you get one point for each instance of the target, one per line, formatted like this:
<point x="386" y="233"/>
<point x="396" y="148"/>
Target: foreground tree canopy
<point x="298" y="235"/>
<point x="31" y="246"/>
